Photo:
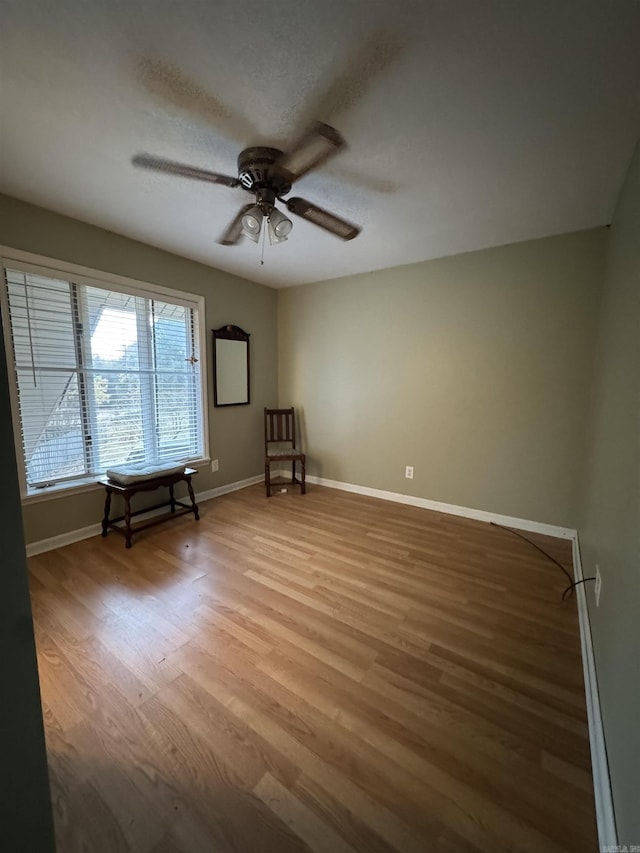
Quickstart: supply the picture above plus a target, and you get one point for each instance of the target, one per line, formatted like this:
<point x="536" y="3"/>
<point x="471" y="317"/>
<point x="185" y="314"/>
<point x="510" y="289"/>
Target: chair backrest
<point x="279" y="427"/>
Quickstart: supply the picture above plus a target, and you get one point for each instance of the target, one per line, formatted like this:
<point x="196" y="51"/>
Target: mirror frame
<point x="230" y="333"/>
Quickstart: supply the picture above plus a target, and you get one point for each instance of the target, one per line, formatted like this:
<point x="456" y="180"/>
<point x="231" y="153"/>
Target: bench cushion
<point x="127" y="475"/>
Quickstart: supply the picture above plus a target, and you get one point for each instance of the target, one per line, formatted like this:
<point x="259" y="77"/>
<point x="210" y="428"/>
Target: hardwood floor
<point x="328" y="673"/>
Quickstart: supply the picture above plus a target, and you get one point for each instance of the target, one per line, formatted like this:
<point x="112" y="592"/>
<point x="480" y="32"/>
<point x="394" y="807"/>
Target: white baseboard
<point x="63" y="539"/>
<point x="605" y="815"/>
<point x="230" y="487"/>
<point x="71" y="536"/>
<point x="450" y="509"/>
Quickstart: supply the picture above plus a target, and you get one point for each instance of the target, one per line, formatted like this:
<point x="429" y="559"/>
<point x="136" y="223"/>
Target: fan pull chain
<point x="264" y="231"/>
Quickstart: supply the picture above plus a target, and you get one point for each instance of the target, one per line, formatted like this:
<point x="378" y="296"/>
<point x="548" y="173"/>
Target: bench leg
<point x="193" y="498"/>
<point x="127" y="520"/>
<point x="107" y="510"/>
<point x="303" y="487"/>
<point x="172" y="499"/>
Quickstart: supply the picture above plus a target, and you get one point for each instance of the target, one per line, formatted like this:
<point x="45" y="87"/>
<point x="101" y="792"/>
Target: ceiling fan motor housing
<point x="258" y="173"/>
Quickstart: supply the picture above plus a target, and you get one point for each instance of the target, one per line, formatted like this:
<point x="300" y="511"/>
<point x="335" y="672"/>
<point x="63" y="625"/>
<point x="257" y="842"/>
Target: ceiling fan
<point x="268" y="173"/>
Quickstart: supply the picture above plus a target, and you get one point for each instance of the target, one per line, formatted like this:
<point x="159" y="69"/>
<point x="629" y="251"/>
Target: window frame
<point x="54" y="268"/>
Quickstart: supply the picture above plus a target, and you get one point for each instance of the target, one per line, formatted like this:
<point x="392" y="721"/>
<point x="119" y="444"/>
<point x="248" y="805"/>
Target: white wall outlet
<point x="214" y="465"/>
<point x="598" y="585"/>
<point x="408" y="472"/>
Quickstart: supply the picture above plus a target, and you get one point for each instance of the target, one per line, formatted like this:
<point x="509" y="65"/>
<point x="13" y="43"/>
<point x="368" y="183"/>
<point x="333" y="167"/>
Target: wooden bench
<point x="151" y="484"/>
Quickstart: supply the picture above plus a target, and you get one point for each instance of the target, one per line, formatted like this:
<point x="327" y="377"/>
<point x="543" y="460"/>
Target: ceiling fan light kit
<point x="268" y="174"/>
<point x="278" y="225"/>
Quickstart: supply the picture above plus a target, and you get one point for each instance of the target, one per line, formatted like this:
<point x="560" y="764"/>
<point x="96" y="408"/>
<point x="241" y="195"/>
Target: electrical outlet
<point x="598" y="585"/>
<point x="408" y="472"/>
<point x="214" y="465"/>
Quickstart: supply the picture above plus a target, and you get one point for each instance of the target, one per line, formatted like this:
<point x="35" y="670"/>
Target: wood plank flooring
<point x="328" y="673"/>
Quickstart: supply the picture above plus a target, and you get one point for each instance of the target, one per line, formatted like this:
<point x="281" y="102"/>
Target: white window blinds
<point x="103" y="376"/>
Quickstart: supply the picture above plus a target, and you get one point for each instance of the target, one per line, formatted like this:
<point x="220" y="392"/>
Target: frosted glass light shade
<point x="252" y="223"/>
<point x="280" y="224"/>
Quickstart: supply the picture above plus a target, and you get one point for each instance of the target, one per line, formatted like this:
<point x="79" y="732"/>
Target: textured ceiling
<point x="470" y="124"/>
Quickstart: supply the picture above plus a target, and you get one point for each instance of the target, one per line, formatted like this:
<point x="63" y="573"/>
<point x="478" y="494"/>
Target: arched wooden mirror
<point x="231" y="386"/>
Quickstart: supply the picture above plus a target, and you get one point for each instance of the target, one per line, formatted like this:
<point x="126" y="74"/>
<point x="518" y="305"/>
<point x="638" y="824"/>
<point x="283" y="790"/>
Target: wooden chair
<point x="280" y="445"/>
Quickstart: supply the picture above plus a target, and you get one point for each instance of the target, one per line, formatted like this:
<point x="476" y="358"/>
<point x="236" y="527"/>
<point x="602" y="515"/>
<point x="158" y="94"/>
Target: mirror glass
<point x="230" y="366"/>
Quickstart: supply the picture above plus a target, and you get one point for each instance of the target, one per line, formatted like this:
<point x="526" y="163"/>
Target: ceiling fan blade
<point x="359" y="178"/>
<point x="234" y="231"/>
<point x="318" y="216"/>
<point x="350" y="82"/>
<point x="158" y="164"/>
<point x="174" y="86"/>
<point x="319" y="143"/>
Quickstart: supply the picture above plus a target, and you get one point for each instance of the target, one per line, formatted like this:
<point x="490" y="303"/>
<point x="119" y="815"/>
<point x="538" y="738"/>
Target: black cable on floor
<point x="572" y="584"/>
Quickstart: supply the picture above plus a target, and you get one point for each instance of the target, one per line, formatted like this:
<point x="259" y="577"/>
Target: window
<point x="105" y="375"/>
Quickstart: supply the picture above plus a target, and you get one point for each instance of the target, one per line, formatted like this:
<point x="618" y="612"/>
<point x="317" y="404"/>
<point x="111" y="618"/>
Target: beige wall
<point x="610" y="526"/>
<point x="475" y="369"/>
<point x="235" y="432"/>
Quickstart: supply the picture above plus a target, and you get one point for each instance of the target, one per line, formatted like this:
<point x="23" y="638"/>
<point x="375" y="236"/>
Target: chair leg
<point x="267" y="478"/>
<point x="293" y="470"/>
<point x="303" y="488"/>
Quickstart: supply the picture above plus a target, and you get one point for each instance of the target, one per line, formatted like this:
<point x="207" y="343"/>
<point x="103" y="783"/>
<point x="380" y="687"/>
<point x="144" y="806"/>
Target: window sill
<point x="78" y="487"/>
